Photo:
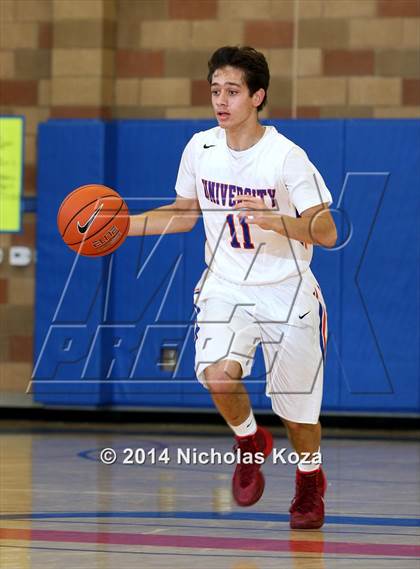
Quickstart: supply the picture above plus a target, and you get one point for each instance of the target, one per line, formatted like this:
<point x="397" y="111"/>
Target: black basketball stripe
<point x="73" y="193"/>
<point x="101" y="228"/>
<point x="80" y="210"/>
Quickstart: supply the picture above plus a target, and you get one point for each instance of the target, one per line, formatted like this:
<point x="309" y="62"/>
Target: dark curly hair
<point x="249" y="60"/>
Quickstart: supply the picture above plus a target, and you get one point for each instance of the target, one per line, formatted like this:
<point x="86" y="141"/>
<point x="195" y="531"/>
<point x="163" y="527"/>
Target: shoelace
<point x="246" y="471"/>
<point x="305" y="494"/>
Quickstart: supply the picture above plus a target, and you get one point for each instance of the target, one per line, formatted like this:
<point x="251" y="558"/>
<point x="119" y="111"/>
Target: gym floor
<point x="61" y="506"/>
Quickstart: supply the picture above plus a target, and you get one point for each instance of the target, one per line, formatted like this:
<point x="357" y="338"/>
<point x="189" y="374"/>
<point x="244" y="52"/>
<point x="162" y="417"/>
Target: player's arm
<point x="315" y="226"/>
<point x="177" y="217"/>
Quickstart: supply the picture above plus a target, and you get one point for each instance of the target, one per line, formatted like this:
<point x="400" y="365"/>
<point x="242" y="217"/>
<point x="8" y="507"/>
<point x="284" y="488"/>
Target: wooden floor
<point x="61" y="507"/>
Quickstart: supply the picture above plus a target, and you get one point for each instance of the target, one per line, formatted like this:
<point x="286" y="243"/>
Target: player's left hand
<point x="255" y="212"/>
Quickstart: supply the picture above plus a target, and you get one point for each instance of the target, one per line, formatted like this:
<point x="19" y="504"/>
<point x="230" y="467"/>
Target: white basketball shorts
<point x="288" y="319"/>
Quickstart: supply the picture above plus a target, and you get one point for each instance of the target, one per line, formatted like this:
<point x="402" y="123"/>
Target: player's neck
<point x="244" y="136"/>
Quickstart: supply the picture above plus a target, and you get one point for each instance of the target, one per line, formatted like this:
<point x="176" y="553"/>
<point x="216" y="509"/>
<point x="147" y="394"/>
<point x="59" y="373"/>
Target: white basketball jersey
<point x="274" y="169"/>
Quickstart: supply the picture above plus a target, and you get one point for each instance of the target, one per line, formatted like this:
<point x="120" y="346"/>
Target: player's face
<point x="232" y="103"/>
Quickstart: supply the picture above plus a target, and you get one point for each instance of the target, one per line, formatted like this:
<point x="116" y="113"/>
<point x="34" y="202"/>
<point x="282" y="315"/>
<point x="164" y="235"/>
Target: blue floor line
<point x="219" y="527"/>
<point x="256" y="517"/>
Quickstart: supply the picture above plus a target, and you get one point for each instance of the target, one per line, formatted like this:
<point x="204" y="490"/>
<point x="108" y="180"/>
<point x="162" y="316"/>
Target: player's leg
<point x="307" y="510"/>
<point x="305" y="437"/>
<point x="226" y="338"/>
<point x="294" y="383"/>
<point x="224" y="380"/>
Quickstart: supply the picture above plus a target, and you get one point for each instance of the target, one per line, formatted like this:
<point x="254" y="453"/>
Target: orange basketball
<point x="93" y="220"/>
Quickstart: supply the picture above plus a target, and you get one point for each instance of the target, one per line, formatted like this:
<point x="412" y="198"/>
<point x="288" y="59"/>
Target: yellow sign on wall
<point x="11" y="171"/>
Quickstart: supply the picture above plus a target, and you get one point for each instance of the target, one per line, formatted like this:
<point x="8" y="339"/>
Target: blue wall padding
<point x="101" y="323"/>
<point x="69" y="292"/>
<point x="380" y="308"/>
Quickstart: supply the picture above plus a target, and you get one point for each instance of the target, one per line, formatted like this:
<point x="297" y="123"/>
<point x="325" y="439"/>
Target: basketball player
<point x="264" y="206"/>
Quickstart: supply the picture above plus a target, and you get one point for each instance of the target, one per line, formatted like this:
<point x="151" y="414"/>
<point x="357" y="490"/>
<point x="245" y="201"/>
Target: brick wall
<point x="147" y="58"/>
<point x="25" y="71"/>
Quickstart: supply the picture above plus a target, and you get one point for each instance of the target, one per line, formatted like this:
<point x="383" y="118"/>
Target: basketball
<point x="93" y="220"/>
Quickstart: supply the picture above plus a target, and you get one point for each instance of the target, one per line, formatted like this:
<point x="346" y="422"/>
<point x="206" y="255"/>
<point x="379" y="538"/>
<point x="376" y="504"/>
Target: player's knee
<point x="219" y="380"/>
<point x="292" y="426"/>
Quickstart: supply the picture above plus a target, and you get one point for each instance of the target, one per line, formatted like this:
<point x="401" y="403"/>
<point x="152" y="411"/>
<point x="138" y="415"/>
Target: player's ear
<point x="258" y="97"/>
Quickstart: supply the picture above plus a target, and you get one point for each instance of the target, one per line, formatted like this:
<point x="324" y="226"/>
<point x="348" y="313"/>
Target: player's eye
<point x="233" y="92"/>
<point x="215" y="92"/>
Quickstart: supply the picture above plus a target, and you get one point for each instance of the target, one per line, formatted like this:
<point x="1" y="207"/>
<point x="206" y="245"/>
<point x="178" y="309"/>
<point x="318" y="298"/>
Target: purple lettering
<point x="211" y="191"/>
<point x="272" y="193"/>
<point x="224" y="194"/>
<point x="232" y="192"/>
<point x="206" y="192"/>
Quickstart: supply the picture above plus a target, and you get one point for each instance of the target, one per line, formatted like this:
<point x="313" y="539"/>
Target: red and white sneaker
<point x="248" y="481"/>
<point x="307" y="509"/>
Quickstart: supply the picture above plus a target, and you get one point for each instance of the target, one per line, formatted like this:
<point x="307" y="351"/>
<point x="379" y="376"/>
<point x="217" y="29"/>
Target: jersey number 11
<point x="247" y="243"/>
